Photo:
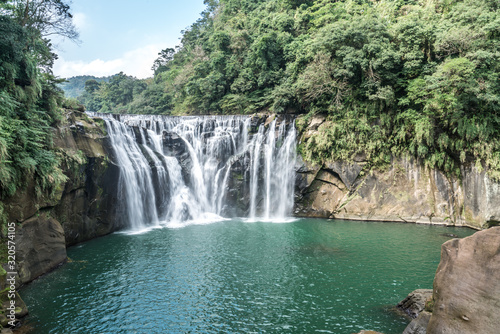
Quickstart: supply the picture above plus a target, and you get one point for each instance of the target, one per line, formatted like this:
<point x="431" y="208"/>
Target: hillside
<point x="393" y="76"/>
<point x="75" y="86"/>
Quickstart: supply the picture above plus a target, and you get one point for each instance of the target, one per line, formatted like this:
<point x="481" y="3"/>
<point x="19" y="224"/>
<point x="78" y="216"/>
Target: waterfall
<point x="196" y="169"/>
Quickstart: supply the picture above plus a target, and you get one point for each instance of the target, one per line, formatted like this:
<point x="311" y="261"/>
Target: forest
<point x="75" y="86"/>
<point x="417" y="77"/>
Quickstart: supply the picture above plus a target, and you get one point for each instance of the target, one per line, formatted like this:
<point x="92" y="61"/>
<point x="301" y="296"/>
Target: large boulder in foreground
<point x="467" y="285"/>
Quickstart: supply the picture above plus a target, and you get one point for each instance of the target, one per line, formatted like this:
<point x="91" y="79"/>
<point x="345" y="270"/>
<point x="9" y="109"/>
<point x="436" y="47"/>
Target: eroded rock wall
<point x="86" y="209"/>
<point x="403" y="191"/>
<point x="80" y="209"/>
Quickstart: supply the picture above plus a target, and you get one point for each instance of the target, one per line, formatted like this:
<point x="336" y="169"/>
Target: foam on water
<point x="157" y="188"/>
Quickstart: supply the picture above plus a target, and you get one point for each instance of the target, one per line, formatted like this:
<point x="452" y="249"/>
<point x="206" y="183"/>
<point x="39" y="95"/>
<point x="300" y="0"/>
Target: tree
<point x="30" y="99"/>
<point x="43" y="17"/>
<point x="91" y="86"/>
<point x="160" y="64"/>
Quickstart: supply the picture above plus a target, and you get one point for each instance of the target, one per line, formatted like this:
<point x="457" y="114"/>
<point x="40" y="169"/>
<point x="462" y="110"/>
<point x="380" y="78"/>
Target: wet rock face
<point x="41" y="246"/>
<point x="87" y="207"/>
<point x="467" y="285"/>
<point x="175" y="146"/>
<point x="87" y="210"/>
<point x="85" y="204"/>
<point x="237" y="193"/>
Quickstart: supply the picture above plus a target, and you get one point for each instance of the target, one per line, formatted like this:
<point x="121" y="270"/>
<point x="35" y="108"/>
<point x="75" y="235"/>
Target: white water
<point x="160" y="186"/>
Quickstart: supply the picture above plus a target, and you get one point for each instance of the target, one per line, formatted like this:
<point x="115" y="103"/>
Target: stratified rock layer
<point x="467" y="286"/>
<point x="404" y="191"/>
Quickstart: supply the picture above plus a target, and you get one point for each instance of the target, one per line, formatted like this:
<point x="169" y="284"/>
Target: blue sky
<point x="123" y="35"/>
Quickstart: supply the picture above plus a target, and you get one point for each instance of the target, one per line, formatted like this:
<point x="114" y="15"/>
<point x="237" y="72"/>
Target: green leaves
<point x="29" y="98"/>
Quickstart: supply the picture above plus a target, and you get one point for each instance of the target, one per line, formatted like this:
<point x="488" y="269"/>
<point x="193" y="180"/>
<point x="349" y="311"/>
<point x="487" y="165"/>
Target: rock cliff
<point x="80" y="209"/>
<point x="402" y="191"/>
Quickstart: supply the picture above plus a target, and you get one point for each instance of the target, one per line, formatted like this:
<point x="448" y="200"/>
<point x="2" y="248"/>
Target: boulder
<point x="467" y="285"/>
<point x="40" y="246"/>
<point x="418" y="325"/>
<point x="414" y="303"/>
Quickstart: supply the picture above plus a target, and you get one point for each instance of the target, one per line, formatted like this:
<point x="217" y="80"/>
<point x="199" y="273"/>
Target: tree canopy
<point x="418" y="77"/>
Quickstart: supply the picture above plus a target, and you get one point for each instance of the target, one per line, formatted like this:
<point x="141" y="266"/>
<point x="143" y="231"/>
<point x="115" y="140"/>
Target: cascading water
<point x="198" y="169"/>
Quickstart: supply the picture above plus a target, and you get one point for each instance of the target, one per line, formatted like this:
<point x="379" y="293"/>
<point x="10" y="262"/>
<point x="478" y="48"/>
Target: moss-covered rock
<point x="403" y="189"/>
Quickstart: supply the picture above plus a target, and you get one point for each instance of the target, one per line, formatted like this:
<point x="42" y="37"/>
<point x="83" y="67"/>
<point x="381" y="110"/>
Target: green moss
<point x="429" y="305"/>
<point x="492" y="223"/>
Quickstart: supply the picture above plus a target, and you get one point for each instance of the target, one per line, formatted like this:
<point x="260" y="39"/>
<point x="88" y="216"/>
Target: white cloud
<point x="80" y="21"/>
<point x="136" y="62"/>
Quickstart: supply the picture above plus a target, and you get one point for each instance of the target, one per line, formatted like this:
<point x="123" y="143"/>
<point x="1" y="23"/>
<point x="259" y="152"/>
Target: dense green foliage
<point x="418" y="77"/>
<point x="29" y="98"/>
<point x="119" y="93"/>
<point x="75" y="86"/>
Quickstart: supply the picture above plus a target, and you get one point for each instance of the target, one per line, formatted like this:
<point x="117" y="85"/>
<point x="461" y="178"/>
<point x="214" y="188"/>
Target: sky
<point x="122" y="35"/>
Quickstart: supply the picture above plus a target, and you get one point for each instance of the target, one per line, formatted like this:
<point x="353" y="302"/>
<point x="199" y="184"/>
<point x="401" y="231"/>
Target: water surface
<point x="307" y="276"/>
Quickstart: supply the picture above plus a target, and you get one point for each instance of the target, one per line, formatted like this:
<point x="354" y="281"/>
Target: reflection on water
<point x="235" y="276"/>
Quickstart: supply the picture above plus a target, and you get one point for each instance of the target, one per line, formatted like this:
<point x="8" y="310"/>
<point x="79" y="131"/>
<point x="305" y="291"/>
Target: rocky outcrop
<point x="80" y="209"/>
<point x="402" y="191"/>
<point x="415" y="302"/>
<point x="466" y="287"/>
<point x="416" y="306"/>
<point x="418" y="325"/>
<point x="86" y="208"/>
<point x="481" y="198"/>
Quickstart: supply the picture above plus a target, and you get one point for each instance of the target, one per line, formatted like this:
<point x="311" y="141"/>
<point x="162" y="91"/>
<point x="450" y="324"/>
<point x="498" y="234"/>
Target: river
<point x="238" y="276"/>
